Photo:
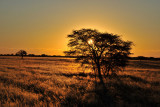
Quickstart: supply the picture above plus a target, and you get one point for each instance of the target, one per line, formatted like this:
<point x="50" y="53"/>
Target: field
<point x="51" y="81"/>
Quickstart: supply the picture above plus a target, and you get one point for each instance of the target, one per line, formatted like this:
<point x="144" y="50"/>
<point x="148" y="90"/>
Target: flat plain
<point x="56" y="81"/>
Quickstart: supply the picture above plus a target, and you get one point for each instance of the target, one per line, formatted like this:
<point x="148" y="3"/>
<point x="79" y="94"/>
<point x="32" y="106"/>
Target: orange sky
<point x="41" y="26"/>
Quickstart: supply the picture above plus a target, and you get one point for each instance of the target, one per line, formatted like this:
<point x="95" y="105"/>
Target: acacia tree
<point x="21" y="53"/>
<point x="103" y="52"/>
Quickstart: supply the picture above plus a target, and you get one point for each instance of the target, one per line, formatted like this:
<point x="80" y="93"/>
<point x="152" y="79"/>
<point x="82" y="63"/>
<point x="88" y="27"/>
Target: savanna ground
<point x="51" y="81"/>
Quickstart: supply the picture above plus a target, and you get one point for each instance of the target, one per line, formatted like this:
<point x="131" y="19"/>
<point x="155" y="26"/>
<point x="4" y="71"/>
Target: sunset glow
<point x="41" y="27"/>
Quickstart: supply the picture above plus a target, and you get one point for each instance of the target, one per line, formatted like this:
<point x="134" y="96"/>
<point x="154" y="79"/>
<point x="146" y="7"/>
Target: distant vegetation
<point x="34" y="55"/>
<point x="21" y="53"/>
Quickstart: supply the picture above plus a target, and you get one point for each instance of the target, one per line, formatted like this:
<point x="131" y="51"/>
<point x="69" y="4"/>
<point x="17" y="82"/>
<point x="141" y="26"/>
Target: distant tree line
<point x="144" y="58"/>
<point x="44" y="55"/>
<point x="34" y="55"/>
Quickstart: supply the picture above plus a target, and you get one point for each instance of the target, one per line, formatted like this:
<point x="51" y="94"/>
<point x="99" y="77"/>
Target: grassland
<point x="49" y="81"/>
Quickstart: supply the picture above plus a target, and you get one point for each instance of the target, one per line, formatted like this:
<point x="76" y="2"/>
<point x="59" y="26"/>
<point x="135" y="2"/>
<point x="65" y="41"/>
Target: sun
<point x="90" y="41"/>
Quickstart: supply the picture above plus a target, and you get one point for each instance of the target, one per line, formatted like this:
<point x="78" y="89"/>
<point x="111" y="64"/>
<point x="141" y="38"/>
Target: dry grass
<point x="47" y="81"/>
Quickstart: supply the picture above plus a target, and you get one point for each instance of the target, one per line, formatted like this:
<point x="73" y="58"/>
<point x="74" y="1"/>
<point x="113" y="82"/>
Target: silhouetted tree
<point x="21" y="53"/>
<point x="142" y="58"/>
<point x="103" y="52"/>
<point x="43" y="55"/>
<point x="31" y="55"/>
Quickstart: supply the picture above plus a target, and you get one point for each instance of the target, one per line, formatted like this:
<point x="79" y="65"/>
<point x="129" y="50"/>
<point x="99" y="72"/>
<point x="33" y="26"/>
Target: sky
<point x="41" y="26"/>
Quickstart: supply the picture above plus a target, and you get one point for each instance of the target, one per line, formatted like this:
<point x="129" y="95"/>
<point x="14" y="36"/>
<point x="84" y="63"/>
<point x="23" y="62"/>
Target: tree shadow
<point x="117" y="93"/>
<point x="128" y="95"/>
<point x="76" y="74"/>
<point x="138" y="79"/>
<point x="144" y="64"/>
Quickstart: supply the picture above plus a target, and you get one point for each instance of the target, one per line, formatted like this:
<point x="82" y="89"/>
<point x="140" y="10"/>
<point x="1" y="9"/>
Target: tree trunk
<point x="99" y="74"/>
<point x="108" y="71"/>
<point x="101" y="78"/>
<point x="22" y="56"/>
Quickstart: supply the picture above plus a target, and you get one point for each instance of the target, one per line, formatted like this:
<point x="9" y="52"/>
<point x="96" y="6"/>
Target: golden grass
<point x="48" y="81"/>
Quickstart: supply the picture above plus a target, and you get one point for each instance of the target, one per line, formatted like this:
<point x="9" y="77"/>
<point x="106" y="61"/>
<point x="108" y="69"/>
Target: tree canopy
<point x="104" y="52"/>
